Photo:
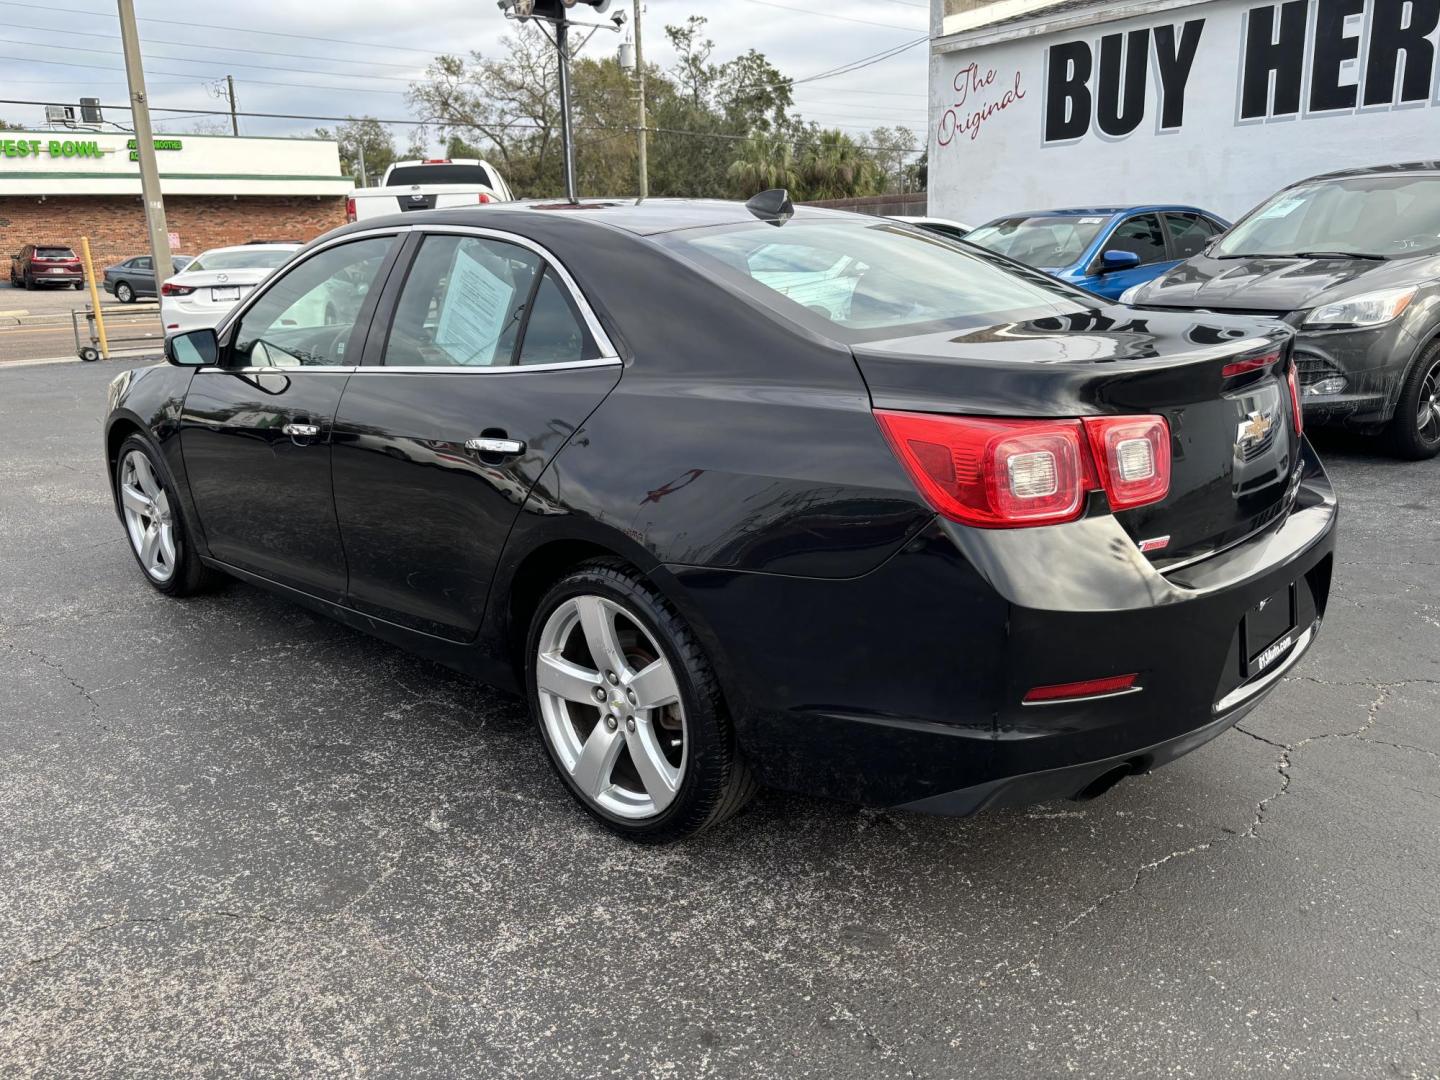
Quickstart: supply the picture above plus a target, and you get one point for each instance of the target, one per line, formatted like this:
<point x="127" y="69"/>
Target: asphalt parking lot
<point x="36" y="323"/>
<point x="239" y="840"/>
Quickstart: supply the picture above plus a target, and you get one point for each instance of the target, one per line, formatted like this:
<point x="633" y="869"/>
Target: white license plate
<point x="58" y="270"/>
<point x="230" y="292"/>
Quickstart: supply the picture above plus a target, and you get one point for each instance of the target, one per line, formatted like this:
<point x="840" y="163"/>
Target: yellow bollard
<point x="94" y="298"/>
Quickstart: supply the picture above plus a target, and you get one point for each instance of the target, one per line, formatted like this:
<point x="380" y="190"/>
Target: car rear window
<point x="54" y="253"/>
<point x="865" y="282"/>
<point x="241" y="259"/>
<point x="407" y="175"/>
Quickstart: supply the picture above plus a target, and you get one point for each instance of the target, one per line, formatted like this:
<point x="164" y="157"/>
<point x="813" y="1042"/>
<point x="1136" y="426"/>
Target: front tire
<point x="1414" y="433"/>
<point x="154" y="523"/>
<point x="124" y="293"/>
<point x="629" y="708"/>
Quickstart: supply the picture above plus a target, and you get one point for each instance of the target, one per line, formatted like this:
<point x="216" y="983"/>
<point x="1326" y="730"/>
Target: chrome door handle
<point x="301" y="431"/>
<point x="496" y="446"/>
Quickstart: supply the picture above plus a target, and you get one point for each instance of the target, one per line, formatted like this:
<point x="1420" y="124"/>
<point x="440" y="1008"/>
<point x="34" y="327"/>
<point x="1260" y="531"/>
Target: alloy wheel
<point x="1427" y="419"/>
<point x="148" y="517"/>
<point x="124" y="293"/>
<point x="610" y="705"/>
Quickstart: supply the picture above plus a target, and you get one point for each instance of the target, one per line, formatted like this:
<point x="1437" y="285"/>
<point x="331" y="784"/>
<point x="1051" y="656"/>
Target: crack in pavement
<point x="59" y="667"/>
<point x="1282" y="766"/>
<point x="137" y="920"/>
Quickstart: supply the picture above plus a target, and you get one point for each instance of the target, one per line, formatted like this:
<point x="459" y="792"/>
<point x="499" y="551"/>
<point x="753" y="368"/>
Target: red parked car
<point x="46" y="264"/>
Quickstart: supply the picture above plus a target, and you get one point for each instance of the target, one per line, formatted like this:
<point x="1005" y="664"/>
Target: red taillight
<point x="1005" y="474"/>
<point x="1297" y="411"/>
<point x="484" y="198"/>
<point x="1087" y="688"/>
<point x="350" y="209"/>
<point x="1133" y="453"/>
<point x="436" y="161"/>
<point x="1250" y="363"/>
<point x="171" y="289"/>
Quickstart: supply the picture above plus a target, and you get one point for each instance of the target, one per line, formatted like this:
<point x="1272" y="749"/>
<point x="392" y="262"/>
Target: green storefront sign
<point x="73" y="148"/>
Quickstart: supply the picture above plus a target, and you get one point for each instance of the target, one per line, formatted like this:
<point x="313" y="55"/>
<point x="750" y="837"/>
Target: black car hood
<point x="1260" y="284"/>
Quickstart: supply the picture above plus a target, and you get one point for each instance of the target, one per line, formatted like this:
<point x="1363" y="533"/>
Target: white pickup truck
<point x="428" y="185"/>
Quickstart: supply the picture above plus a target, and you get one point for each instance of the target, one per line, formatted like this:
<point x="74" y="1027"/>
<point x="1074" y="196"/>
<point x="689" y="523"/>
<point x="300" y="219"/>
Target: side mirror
<point x="198" y="348"/>
<point x="1118" y="260"/>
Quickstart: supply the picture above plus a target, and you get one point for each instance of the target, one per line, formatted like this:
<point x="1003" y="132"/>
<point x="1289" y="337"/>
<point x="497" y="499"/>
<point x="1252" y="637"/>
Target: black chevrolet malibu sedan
<point x="743" y="494"/>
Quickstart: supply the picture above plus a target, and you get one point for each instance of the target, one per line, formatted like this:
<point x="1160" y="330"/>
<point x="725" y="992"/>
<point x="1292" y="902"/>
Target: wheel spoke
<point x="655" y="686"/>
<point x="136" y="500"/>
<point x="597" y="760"/>
<point x="659" y="777"/>
<point x="145" y="475"/>
<point x="597" y="621"/>
<point x="167" y="546"/>
<point x="558" y="676"/>
<point x="149" y="546"/>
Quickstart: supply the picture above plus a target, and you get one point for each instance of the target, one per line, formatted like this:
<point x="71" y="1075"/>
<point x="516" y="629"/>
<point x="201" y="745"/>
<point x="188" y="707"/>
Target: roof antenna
<point x="773" y="206"/>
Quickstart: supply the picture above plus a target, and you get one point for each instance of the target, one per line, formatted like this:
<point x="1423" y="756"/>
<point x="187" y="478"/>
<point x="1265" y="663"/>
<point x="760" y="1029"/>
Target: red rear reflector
<point x="1252" y="363"/>
<point x="350" y="209"/>
<point x="1087" y="688"/>
<point x="169" y="289"/>
<point x="1297" y="411"/>
<point x="1006" y="474"/>
<point x="1133" y="453"/>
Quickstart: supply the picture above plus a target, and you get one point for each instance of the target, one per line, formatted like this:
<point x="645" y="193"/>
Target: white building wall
<point x="989" y="151"/>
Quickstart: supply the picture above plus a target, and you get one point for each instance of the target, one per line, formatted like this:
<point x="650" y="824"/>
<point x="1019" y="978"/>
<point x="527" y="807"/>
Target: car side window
<point x="1189" y="233"/>
<point x="306" y="317"/>
<point x="142" y="263"/>
<point x="463" y="303"/>
<point x="554" y="333"/>
<point x="1140" y="234"/>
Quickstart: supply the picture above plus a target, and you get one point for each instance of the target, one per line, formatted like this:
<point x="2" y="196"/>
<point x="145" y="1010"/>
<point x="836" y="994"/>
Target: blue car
<point x="1104" y="250"/>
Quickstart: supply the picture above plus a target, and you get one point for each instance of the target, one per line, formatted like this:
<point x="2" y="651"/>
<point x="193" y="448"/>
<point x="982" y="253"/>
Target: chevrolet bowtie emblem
<point x="1253" y="429"/>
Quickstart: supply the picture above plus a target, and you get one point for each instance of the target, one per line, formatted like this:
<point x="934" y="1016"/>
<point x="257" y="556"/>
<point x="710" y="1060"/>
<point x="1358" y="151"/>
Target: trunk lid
<point x="1234" y="447"/>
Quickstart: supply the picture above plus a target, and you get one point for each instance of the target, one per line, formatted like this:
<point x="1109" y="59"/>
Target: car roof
<point x="1374" y="170"/>
<point x="644" y="218"/>
<point x="249" y="247"/>
<point x="1107" y="211"/>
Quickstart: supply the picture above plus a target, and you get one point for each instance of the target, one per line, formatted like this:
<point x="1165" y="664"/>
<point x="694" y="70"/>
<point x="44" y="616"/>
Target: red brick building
<point x="57" y="186"/>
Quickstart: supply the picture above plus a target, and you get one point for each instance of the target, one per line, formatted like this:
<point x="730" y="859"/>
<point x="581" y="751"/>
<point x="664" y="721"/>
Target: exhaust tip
<point x="1108" y="779"/>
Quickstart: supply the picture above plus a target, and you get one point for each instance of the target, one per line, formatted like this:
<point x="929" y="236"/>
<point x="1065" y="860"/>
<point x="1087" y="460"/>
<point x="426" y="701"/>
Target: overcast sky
<point x="373" y="48"/>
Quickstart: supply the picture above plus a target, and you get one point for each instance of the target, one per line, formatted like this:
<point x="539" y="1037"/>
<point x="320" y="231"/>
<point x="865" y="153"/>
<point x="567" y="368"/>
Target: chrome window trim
<point x="607" y="349"/>
<point x="319" y="369"/>
<point x="258" y="290"/>
<point x="481" y="369"/>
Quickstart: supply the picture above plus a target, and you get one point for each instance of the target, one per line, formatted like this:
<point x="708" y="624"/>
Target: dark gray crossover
<point x="1351" y="260"/>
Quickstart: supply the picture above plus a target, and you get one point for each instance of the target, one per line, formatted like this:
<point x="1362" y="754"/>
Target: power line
<point x="829" y="15"/>
<point x="183" y="60"/>
<point x="215" y="26"/>
<point x="196" y="76"/>
<point x="514" y="126"/>
<point x="213" y="48"/>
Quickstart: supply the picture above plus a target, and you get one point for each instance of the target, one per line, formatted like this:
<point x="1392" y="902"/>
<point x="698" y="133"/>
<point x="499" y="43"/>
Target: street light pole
<point x="562" y="27"/>
<point x="644" y="123"/>
<point x="145" y="146"/>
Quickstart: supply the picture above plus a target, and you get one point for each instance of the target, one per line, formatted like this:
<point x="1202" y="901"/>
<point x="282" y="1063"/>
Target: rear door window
<point x="1141" y="235"/>
<point x="1189" y="233"/>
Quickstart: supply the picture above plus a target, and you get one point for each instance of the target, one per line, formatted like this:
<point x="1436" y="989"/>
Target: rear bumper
<point x="904" y="687"/>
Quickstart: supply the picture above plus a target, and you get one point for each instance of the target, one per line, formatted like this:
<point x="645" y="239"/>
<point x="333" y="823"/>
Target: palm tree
<point x="764" y="161"/>
<point x="834" y="166"/>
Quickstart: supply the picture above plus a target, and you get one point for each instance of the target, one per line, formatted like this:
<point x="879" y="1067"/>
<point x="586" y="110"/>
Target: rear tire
<point x="655" y="759"/>
<point x="124" y="293"/>
<point x="154" y="522"/>
<point x="1414" y="432"/>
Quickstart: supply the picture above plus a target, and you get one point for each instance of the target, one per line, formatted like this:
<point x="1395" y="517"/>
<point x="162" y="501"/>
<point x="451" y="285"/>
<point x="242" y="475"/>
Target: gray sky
<point x="375" y="47"/>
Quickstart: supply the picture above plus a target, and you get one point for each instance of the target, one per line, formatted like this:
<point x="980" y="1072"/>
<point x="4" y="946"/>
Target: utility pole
<point x="562" y="27"/>
<point x="360" y="152"/>
<point x="230" y="92"/>
<point x="145" y="146"/>
<point x="644" y="123"/>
